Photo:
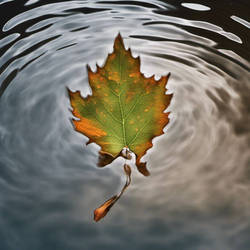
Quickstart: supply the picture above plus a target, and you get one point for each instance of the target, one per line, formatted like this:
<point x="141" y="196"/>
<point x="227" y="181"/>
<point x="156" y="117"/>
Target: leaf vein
<point x="137" y="134"/>
<point x="115" y="134"/>
<point x="133" y="107"/>
<point x="114" y="118"/>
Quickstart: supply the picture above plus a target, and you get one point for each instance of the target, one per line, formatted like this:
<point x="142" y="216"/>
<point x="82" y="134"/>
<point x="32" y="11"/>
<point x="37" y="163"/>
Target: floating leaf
<point x="125" y="110"/>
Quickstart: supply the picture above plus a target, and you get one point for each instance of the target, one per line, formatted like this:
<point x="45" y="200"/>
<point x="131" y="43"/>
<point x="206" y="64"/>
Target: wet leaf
<point x="125" y="110"/>
<point x="123" y="114"/>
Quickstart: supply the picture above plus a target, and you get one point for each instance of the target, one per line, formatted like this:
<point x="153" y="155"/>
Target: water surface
<point x="197" y="196"/>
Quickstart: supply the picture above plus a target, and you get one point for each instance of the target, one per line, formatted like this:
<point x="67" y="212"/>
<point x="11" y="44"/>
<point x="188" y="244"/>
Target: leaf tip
<point x="118" y="42"/>
<point x="119" y="36"/>
<point x="68" y="89"/>
<point x="142" y="168"/>
<point x="69" y="92"/>
<point x="104" y="159"/>
<point x="89" y="69"/>
<point x="89" y="141"/>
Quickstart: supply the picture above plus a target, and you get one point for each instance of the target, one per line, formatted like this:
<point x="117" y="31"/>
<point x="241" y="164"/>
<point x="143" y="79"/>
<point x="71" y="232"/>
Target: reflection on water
<point x="198" y="194"/>
<point x="195" y="6"/>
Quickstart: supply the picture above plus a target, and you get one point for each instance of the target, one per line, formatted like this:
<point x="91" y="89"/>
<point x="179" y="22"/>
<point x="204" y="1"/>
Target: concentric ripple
<point x="198" y="194"/>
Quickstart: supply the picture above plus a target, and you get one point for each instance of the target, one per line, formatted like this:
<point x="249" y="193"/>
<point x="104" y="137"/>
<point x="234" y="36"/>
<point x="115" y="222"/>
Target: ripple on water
<point x="197" y="196"/>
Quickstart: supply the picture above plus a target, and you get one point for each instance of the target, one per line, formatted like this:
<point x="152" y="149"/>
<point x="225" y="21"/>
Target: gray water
<point x="197" y="197"/>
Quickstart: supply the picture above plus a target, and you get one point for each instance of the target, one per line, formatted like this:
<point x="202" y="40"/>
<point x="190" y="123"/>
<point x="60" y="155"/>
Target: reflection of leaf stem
<point x="101" y="211"/>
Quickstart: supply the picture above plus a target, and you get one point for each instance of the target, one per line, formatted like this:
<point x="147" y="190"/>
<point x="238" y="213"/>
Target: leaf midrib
<point x="123" y="122"/>
<point x="120" y="103"/>
<point x="124" y="116"/>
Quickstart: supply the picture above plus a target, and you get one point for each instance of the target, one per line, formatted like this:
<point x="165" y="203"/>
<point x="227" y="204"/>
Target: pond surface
<point x="197" y="197"/>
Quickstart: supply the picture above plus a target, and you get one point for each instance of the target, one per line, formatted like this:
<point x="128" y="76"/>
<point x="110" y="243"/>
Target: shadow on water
<point x="198" y="194"/>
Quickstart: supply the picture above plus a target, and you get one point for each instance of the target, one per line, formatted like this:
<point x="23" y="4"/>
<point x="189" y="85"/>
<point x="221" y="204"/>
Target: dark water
<point x="198" y="194"/>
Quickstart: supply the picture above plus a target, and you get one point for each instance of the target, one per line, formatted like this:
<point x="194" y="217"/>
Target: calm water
<point x="197" y="197"/>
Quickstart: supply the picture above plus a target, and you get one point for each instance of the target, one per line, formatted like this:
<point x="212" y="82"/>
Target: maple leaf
<point x="125" y="110"/>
